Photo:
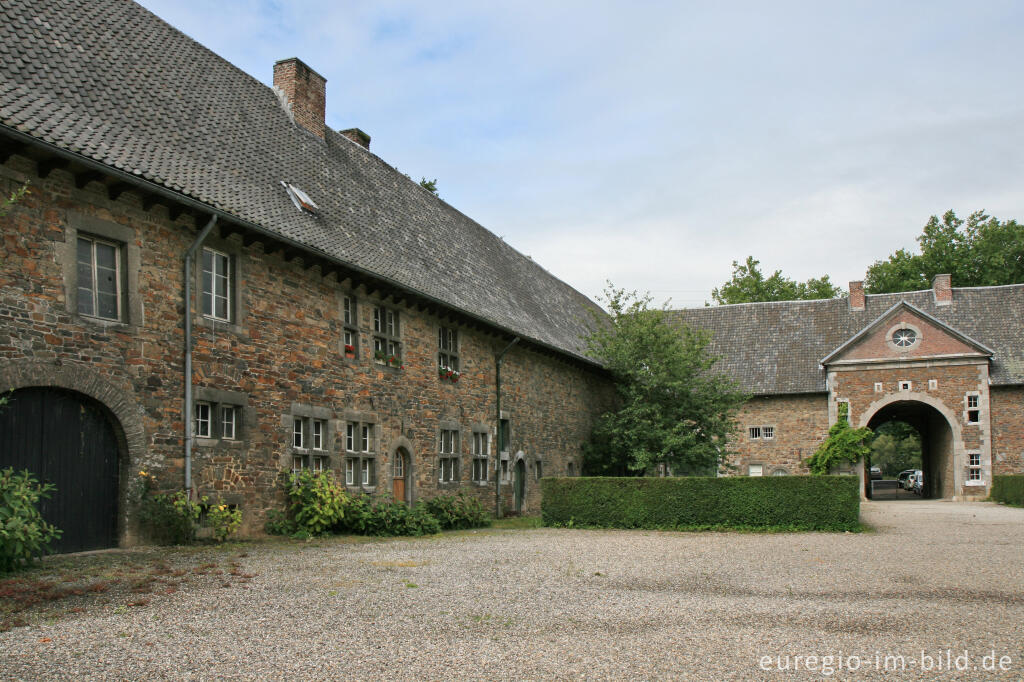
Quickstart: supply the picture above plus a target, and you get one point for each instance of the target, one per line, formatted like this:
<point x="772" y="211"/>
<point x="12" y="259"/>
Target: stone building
<point x="339" y="315"/>
<point x="948" y="361"/>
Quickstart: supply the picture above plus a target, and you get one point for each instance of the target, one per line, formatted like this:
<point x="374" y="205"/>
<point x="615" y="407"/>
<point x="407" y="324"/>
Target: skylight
<point x="300" y="198"/>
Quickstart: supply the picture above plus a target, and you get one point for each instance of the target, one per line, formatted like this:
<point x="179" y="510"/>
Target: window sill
<point x="219" y="326"/>
<point x="974" y="484"/>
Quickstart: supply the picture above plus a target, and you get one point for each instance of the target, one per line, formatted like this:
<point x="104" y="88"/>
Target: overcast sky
<point x="654" y="143"/>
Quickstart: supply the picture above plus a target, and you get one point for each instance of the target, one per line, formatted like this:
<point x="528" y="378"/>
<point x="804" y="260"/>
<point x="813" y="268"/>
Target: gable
<point x="906" y="333"/>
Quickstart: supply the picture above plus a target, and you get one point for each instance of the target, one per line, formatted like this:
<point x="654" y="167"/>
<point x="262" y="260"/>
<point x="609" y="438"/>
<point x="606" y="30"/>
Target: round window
<point x="904" y="337"/>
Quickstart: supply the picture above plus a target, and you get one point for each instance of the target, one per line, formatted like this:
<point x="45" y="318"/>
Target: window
<point x="504" y="470"/>
<point x="367" y="472"/>
<point x="99" y="278"/>
<point x="216" y="292"/>
<point x="906" y="386"/>
<point x="202" y="423"/>
<point x="351" y="464"/>
<point x="448" y="469"/>
<point x="933" y="384"/>
<point x="878" y="387"/>
<point x="448" y="353"/>
<point x="299" y="433"/>
<point x="387" y="349"/>
<point x="973" y="467"/>
<point x="506" y="434"/>
<point x="319" y="427"/>
<point x="973" y="409"/>
<point x="570" y="469"/>
<point x="481" y="449"/>
<point x="539" y="469"/>
<point x="360" y="463"/>
<point x="768" y="432"/>
<point x="755" y="432"/>
<point x="227" y="422"/>
<point x="298" y="463"/>
<point x="319" y="464"/>
<point x="755" y="470"/>
<point x="350" y="331"/>
<point x="904" y="338"/>
<point x="780" y="472"/>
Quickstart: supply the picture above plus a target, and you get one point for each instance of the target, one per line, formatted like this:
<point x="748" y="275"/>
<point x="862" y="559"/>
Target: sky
<point x="651" y="144"/>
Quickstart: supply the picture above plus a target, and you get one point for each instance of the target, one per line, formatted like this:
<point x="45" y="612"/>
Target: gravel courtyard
<point x="548" y="603"/>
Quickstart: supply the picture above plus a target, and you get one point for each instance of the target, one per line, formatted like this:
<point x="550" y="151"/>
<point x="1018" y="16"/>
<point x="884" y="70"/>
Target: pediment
<point x="906" y="333"/>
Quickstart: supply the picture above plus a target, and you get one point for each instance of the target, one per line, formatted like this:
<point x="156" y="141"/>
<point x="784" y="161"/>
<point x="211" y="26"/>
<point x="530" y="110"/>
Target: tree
<point x="979" y="251"/>
<point x="895" y="447"/>
<point x="674" y="411"/>
<point x="429" y="185"/>
<point x="748" y="285"/>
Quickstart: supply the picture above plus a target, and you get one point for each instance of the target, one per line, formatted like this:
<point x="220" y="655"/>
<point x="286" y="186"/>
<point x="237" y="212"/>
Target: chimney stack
<point x="357" y="136"/>
<point x="304" y="92"/>
<point x="857" y="295"/>
<point x="942" y="287"/>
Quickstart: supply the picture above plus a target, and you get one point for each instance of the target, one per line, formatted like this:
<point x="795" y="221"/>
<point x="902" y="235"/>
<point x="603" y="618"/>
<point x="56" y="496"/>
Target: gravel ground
<point x="553" y="603"/>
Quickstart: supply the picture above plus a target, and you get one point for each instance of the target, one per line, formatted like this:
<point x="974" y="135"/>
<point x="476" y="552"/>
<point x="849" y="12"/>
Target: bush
<point x="1008" y="489"/>
<point x="24" y="535"/>
<point x="773" y="502"/>
<point x="224" y="520"/>
<point x="364" y="517"/>
<point x="316" y="502"/>
<point x="457" y="512"/>
<point x="166" y="518"/>
<point x="278" y="523"/>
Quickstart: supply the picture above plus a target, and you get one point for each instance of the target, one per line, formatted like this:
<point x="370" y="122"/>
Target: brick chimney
<point x="857" y="295"/>
<point x="304" y="92"/>
<point x="942" y="287"/>
<point x="357" y="136"/>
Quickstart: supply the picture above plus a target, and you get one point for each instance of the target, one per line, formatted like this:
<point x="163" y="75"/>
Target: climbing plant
<point x="844" y="444"/>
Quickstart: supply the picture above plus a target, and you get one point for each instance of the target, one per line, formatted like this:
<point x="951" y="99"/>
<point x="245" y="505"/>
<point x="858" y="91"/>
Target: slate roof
<point x="113" y="82"/>
<point x="775" y="348"/>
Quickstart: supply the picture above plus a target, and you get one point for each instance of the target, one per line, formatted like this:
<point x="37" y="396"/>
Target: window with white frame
<point x="933" y="384"/>
<point x="203" y="421"/>
<point x="448" y="352"/>
<point x="754" y="432"/>
<point x="481" y="451"/>
<point x="448" y="462"/>
<point x="99" y="278"/>
<point x="350" y="329"/>
<point x="768" y="432"/>
<point x="761" y="432"/>
<point x="906" y="385"/>
<point x="973" y="467"/>
<point x="216" y="287"/>
<point x="351" y="465"/>
<point x="755" y="470"/>
<point x="228" y="419"/>
<point x="319" y="428"/>
<point x="360" y="461"/>
<point x="878" y="387"/>
<point x="215" y="420"/>
<point x="387" y="347"/>
<point x="973" y="408"/>
<point x="299" y="433"/>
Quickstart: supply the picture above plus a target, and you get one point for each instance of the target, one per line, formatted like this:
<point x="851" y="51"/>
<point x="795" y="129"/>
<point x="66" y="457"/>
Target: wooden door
<point x="398" y="478"/>
<point x="66" y="439"/>
<point x="520" y="484"/>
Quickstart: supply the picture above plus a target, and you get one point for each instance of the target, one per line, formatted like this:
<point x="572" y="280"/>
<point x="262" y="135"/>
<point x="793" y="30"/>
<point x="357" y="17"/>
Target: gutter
<point x="189" y="255"/>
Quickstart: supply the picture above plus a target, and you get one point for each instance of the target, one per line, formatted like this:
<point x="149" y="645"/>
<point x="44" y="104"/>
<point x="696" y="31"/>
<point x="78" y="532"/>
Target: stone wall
<point x="798" y="423"/>
<point x="282" y="356"/>
<point x="1007" y="429"/>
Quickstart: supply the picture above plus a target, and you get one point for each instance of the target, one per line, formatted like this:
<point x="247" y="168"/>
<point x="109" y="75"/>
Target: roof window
<point x="300" y="198"/>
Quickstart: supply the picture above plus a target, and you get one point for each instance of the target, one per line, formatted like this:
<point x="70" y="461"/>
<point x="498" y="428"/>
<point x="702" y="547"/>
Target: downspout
<point x="497" y="462"/>
<point x="189" y="255"/>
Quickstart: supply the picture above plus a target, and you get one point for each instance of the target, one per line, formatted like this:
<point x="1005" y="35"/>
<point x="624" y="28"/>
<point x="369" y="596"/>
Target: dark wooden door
<point x="520" y="484"/>
<point x="66" y="439"/>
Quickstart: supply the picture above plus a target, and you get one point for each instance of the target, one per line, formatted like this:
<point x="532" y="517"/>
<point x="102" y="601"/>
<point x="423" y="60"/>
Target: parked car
<point x="876" y="473"/>
<point x="901" y="480"/>
<point x="918" y="486"/>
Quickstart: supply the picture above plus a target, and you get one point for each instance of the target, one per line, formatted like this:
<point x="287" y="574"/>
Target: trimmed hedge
<point x="684" y="503"/>
<point x="1008" y="489"/>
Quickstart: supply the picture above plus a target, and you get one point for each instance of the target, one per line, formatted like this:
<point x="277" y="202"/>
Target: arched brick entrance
<point x="937" y="443"/>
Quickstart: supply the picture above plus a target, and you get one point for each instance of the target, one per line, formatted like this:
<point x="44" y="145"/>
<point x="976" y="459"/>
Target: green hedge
<point x="1008" y="489"/>
<point x="770" y="502"/>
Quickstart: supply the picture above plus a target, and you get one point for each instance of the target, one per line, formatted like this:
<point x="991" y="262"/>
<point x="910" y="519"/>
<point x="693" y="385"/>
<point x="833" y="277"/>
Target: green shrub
<point x="772" y="502"/>
<point x="457" y="512"/>
<point x="316" y="501"/>
<point x="224" y="520"/>
<point x="1008" y="489"/>
<point x="24" y="535"/>
<point x="166" y="518"/>
<point x="384" y="518"/>
<point x="278" y="523"/>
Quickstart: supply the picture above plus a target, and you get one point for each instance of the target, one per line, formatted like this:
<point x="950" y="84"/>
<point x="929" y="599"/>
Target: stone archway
<point x="942" y="450"/>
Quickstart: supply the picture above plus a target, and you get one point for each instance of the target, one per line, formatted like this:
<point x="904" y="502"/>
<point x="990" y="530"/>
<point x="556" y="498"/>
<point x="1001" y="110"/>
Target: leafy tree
<point x="429" y="185"/>
<point x="674" y="412"/>
<point x="896" y="447"/>
<point x="979" y="251"/>
<point x="844" y="444"/>
<point x="749" y="285"/>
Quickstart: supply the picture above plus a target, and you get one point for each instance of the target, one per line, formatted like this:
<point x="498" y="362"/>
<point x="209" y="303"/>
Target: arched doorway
<point x="519" y="484"/>
<point x="937" y="443"/>
<point x="70" y="440"/>
<point x="400" y="487"/>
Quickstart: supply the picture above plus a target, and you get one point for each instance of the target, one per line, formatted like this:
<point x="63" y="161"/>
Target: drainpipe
<point x="189" y="255"/>
<point x="497" y="463"/>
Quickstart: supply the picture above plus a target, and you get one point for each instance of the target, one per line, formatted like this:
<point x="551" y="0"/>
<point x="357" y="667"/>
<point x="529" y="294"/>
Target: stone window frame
<point x="760" y="467"/>
<point x="879" y="387"/>
<point x="905" y="385"/>
<point x="349" y="313"/>
<point x="538" y="468"/>
<point x="480" y="433"/>
<point x="761" y="432"/>
<point x="238" y="308"/>
<point x="895" y="328"/>
<point x="973" y="468"/>
<point x="972" y="412"/>
<point x="779" y="471"/>
<point x="122" y="236"/>
<point x="453" y="455"/>
<point x="933" y="384"/>
<point x="448" y="350"/>
<point x="357" y="460"/>
<point x="218" y="400"/>
<point x="387" y="343"/>
<point x="304" y="415"/>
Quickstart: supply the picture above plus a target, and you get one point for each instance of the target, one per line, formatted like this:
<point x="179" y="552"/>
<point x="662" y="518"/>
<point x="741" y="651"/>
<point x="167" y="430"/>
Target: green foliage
<point x="166" y="518"/>
<point x="429" y="185"/>
<point x="748" y="285"/>
<point x="1008" y="489"/>
<point x="457" y="512"/>
<point x="316" y="501"/>
<point x="386" y="518"/>
<point x="844" y="444"/>
<point x="697" y="503"/>
<point x="896" y="446"/>
<point x="224" y="520"/>
<point x="24" y="535"/>
<point x="14" y="198"/>
<point x="981" y="251"/>
<point x="278" y="523"/>
<point x="673" y="408"/>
